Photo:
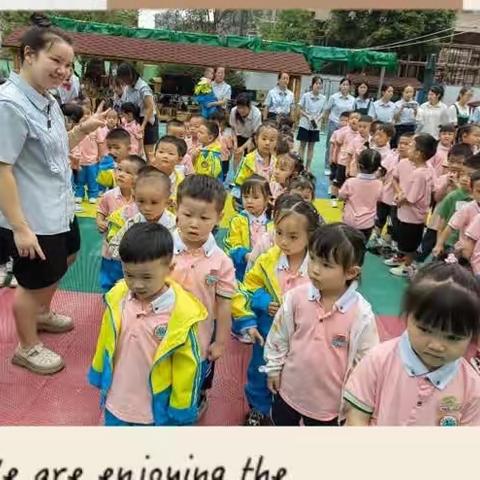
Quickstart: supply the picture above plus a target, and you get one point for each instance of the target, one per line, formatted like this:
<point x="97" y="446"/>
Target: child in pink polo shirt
<point x="462" y="218"/>
<point x="421" y="378"/>
<point x="413" y="200"/>
<point x="320" y="333"/>
<point x="386" y="207"/>
<point x="470" y="135"/>
<point x="471" y="245"/>
<point x="359" y="143"/>
<point x="344" y="141"/>
<point x="87" y="154"/>
<point x="362" y="193"/>
<point x="146" y="362"/>
<point x="335" y="139"/>
<point x="275" y="272"/>
<point x="446" y="139"/>
<point x="203" y="268"/>
<point x="120" y="196"/>
<point x="177" y="129"/>
<point x="131" y="123"/>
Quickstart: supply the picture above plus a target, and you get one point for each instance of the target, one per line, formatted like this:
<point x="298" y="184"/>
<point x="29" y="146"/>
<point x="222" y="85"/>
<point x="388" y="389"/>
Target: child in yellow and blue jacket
<point x="207" y="159"/>
<point x="261" y="161"/>
<point x="248" y="226"/>
<point x="147" y="362"/>
<point x="281" y="268"/>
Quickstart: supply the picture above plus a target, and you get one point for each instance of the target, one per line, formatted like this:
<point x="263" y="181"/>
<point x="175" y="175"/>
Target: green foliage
<point x="370" y="28"/>
<point x="290" y="26"/>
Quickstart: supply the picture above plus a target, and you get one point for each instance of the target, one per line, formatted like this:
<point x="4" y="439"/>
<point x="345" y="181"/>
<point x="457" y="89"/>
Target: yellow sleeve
<point x="244" y="172"/>
<point x="116" y="221"/>
<point x="236" y="234"/>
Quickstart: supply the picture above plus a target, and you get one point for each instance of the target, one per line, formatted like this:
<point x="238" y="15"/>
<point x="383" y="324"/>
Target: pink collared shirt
<point x="361" y="195"/>
<point x="207" y="273"/>
<point x="473" y="233"/>
<point x="186" y="166"/>
<point x="385" y="387"/>
<point x="288" y="279"/>
<point x="418" y="194"/>
<point x="438" y="161"/>
<point x="263" y="168"/>
<point x="462" y="219"/>
<point x="109" y="202"/>
<point x="143" y="328"/>
<point x="356" y="148"/>
<point x="389" y="163"/>
<point x="87" y="150"/>
<point x="345" y="141"/>
<point x="136" y="136"/>
<point x="276" y="189"/>
<point x="102" y="141"/>
<point x="336" y="140"/>
<point x="306" y="341"/>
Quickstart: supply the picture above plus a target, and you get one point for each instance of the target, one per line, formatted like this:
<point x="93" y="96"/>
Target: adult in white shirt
<point x="69" y="90"/>
<point x="459" y="112"/>
<point x="245" y="119"/>
<point x="405" y="116"/>
<point x="311" y="107"/>
<point x="383" y="109"/>
<point x="433" y="113"/>
<point x="280" y="100"/>
<point x="221" y="89"/>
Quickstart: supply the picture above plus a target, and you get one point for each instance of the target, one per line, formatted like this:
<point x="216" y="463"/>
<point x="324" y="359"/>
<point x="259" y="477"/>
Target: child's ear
<point x="171" y="267"/>
<point x="353" y="272"/>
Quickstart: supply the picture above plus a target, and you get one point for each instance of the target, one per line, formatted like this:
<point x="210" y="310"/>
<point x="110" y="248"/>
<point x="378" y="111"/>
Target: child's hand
<point x="102" y="226"/>
<point x="195" y="152"/>
<point x="437" y="250"/>
<point x="215" y="351"/>
<point x="255" y="336"/>
<point x="273" y="384"/>
<point x="273" y="309"/>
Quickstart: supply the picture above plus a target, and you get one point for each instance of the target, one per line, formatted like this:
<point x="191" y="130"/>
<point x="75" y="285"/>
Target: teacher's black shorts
<point x="151" y="134"/>
<point x="36" y="274"/>
<point x="309" y="136"/>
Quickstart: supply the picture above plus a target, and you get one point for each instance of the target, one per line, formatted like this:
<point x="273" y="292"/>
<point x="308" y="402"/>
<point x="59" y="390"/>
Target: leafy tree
<point x="370" y="28"/>
<point x="291" y="26"/>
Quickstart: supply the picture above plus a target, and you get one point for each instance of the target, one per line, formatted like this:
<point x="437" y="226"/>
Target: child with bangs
<point x="324" y="327"/>
<point x="287" y="167"/>
<point x="421" y="377"/>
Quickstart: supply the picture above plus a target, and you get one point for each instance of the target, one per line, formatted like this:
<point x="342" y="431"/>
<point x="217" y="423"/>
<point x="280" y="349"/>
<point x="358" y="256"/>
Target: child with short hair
<point x="203" y="268"/>
<point x="462" y="218"/>
<point x="146" y="361"/>
<point x="447" y="136"/>
<point x="177" y="129"/>
<point x="118" y="149"/>
<point x="362" y="193"/>
<point x="470" y="135"/>
<point x="227" y="140"/>
<point x="333" y="147"/>
<point x="247" y="227"/>
<point x="151" y="194"/>
<point x="344" y="138"/>
<point x="287" y="167"/>
<point x="413" y="202"/>
<point x="169" y="152"/>
<point x="358" y="144"/>
<point x="324" y="327"/>
<point x="455" y="187"/>
<point x="131" y="122"/>
<point x="280" y="269"/>
<point x="260" y="161"/>
<point x="420" y="378"/>
<point x="203" y="93"/>
<point x="87" y="155"/>
<point x="196" y="121"/>
<point x="207" y="158"/>
<point x="113" y="200"/>
<point x="386" y="207"/>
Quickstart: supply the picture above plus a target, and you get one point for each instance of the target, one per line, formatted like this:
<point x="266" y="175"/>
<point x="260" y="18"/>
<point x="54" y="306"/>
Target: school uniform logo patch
<point x="448" y="409"/>
<point x="339" y="341"/>
<point x="160" y="331"/>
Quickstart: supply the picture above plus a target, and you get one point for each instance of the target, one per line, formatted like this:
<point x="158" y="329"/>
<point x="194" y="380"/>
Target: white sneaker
<point x="327" y="172"/>
<point x="403" y="271"/>
<point x="78" y="200"/>
<point x="395" y="261"/>
<point x="54" y="323"/>
<point x="92" y="201"/>
<point x="334" y="203"/>
<point x="13" y="282"/>
<point x="38" y="359"/>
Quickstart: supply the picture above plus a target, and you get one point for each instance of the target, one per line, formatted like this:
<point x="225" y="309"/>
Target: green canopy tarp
<point x="316" y="56"/>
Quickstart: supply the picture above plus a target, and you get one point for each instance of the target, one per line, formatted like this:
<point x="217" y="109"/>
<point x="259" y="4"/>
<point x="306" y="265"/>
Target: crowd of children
<point x="282" y="279"/>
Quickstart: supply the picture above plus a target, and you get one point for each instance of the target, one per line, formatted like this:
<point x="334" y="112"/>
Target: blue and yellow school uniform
<point x="239" y="241"/>
<point x="106" y="172"/>
<point x="175" y="376"/>
<point x="209" y="160"/>
<point x="250" y="304"/>
<point x="176" y="178"/>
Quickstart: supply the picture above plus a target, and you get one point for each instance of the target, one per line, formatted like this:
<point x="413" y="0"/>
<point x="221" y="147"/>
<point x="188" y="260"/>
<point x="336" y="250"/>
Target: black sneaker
<point x="256" y="419"/>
